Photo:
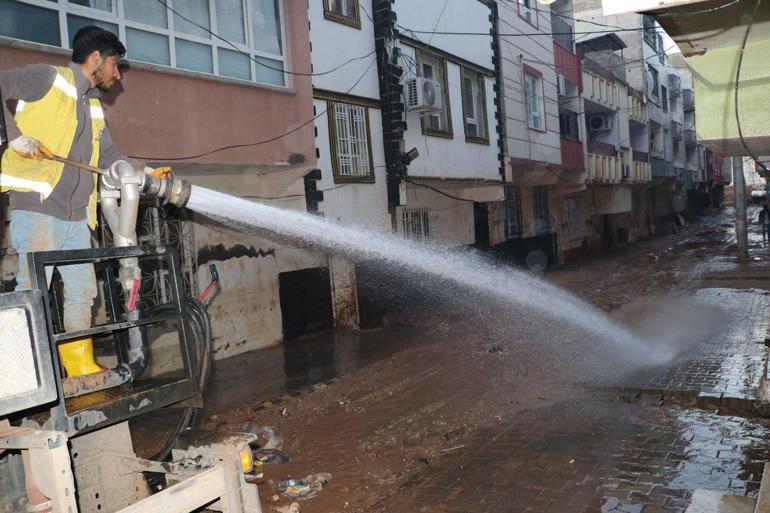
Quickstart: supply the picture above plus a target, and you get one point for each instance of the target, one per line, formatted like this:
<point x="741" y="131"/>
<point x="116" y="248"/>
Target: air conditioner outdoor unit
<point x="423" y="95"/>
<point x="561" y="85"/>
<point x="600" y="122"/>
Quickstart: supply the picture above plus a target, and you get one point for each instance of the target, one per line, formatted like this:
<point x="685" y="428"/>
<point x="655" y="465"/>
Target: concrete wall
<point x="452" y="157"/>
<point x="536" y="52"/>
<point x="458" y="16"/>
<point x="160" y="112"/>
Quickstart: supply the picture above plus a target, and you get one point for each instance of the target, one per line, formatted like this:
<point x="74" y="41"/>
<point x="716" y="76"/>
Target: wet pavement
<point x="401" y="436"/>
<point x="726" y="369"/>
<point x="611" y="458"/>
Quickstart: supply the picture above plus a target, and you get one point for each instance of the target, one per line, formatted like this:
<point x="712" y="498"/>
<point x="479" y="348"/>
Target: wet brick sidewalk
<point x="612" y="458"/>
<point x="726" y="371"/>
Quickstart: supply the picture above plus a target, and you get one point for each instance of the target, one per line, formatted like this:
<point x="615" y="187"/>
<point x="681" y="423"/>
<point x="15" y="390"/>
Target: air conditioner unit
<point x="561" y="85"/>
<point x="626" y="170"/>
<point x="600" y="122"/>
<point x="423" y="95"/>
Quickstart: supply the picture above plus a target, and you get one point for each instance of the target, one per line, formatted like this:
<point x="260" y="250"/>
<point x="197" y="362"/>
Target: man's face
<point x="106" y="73"/>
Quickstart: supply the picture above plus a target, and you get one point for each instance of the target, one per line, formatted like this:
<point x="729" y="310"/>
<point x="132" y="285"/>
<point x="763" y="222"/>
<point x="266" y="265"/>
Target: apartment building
<point x="676" y="163"/>
<point x="182" y="81"/>
<point x="545" y="161"/>
<point x="352" y="187"/>
<point x="444" y="117"/>
<point x="618" y="170"/>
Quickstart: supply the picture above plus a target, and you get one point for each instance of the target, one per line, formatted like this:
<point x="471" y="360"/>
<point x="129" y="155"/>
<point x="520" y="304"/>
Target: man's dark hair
<point x="92" y="38"/>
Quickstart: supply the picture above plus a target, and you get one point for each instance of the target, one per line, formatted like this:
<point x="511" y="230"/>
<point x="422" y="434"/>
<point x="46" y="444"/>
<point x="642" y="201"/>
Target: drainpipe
<point x="741" y="231"/>
<point x="123" y="182"/>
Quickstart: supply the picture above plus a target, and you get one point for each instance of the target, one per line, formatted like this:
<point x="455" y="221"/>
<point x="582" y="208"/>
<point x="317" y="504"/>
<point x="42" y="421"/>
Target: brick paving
<point x="725" y="371"/>
<point x="612" y="458"/>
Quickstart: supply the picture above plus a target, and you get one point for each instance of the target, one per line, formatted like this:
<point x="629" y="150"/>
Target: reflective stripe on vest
<point x="15" y="182"/>
<point x="53" y="121"/>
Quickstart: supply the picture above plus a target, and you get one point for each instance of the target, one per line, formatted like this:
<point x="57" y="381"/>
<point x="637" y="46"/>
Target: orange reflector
<point x="246" y="461"/>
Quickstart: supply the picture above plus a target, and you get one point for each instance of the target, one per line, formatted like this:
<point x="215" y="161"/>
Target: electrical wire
<point x="521" y="34"/>
<point x="566" y="17"/>
<point x="257" y="143"/>
<point x="247" y="54"/>
<point x="693" y="13"/>
<point x="737" y="87"/>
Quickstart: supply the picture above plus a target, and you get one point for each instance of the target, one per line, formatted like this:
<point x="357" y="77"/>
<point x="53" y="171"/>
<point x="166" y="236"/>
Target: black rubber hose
<point x="198" y="325"/>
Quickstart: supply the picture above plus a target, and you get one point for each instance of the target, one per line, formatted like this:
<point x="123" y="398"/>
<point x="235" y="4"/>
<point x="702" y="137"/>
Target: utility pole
<point x="741" y="229"/>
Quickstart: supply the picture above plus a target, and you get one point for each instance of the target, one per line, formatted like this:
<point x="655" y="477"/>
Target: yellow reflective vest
<point x="53" y="121"/>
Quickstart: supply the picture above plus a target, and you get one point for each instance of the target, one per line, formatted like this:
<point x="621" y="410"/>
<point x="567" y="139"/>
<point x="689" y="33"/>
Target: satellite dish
<point x="537" y="261"/>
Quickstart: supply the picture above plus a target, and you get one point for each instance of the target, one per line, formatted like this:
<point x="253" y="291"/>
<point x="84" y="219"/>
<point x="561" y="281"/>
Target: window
<point x="535" y="99"/>
<point x="664" y="98"/>
<point x="154" y="34"/>
<point x="540" y="196"/>
<point x="527" y="12"/>
<point x="343" y="11"/>
<point x="434" y="68"/>
<point x="648" y="26"/>
<point x="512" y="212"/>
<point x="576" y="224"/>
<point x="661" y="50"/>
<point x="653" y="80"/>
<point x="351" y="151"/>
<point x="474" y="106"/>
<point x="568" y="125"/>
<point x="415" y="223"/>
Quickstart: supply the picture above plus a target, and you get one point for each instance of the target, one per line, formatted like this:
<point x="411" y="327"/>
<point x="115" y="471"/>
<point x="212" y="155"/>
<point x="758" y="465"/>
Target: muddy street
<point x="428" y="414"/>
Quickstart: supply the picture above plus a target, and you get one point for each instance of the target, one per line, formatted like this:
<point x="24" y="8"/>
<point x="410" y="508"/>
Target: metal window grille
<point x="541" y="209"/>
<point x="512" y="212"/>
<point x="415" y="224"/>
<point x="352" y="140"/>
<point x="576" y="226"/>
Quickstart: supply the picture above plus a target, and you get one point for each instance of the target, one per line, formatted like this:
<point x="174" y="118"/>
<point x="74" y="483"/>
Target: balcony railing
<point x="602" y="148"/>
<point x="688" y="100"/>
<point x="640" y="172"/>
<point x="640" y="156"/>
<point x="562" y="32"/>
<point x="604" y="169"/>
<point x="690" y="139"/>
<point x="572" y="158"/>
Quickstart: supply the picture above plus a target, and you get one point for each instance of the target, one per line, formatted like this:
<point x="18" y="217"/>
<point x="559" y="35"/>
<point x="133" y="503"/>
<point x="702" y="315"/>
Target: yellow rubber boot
<point x="78" y="357"/>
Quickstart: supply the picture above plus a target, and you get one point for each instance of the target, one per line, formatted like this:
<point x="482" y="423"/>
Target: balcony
<point x="688" y="100"/>
<point x="637" y="109"/>
<point x="690" y="139"/>
<point x="641" y="172"/>
<point x="572" y="155"/>
<point x="602" y="148"/>
<point x="676" y="130"/>
<point x="640" y="156"/>
<point x="661" y="168"/>
<point x="562" y="32"/>
<point x="604" y="169"/>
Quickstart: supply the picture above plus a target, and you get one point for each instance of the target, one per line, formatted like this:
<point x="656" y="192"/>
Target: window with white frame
<point x="535" y="101"/>
<point x="154" y="34"/>
<point x="343" y="11"/>
<point x="474" y="105"/>
<point x="351" y="151"/>
<point x="527" y="12"/>
<point x="653" y="80"/>
<point x="433" y="68"/>
<point x="576" y="223"/>
<point x="415" y="223"/>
